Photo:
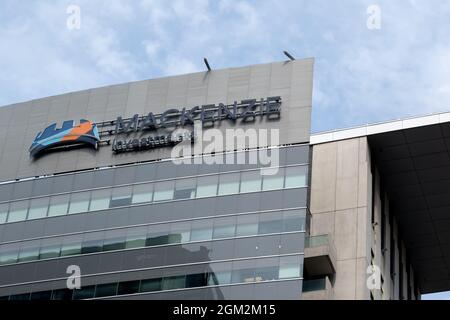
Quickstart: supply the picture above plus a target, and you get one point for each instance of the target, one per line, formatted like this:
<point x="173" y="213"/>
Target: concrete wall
<point x="345" y="191"/>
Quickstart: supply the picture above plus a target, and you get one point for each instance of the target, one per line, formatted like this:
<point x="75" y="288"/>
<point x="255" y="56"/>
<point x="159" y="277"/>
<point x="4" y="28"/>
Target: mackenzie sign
<point x="87" y="133"/>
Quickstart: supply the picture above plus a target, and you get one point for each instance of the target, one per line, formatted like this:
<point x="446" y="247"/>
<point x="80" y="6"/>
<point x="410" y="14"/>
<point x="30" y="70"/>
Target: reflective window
<point x="267" y="269"/>
<point x="9" y="253"/>
<point x="58" y="205"/>
<point x="290" y="267"/>
<point x="296" y="177"/>
<point x="106" y="290"/>
<point x="100" y="200"/>
<point x="43" y="295"/>
<point x="201" y="230"/>
<point x="92" y="242"/>
<point x="196" y="280"/>
<point x="79" y="202"/>
<point x="87" y="292"/>
<point x="50" y="248"/>
<point x="247" y="225"/>
<point x="243" y="271"/>
<point x="273" y="181"/>
<point x="251" y="181"/>
<point x="175" y="282"/>
<point x="128" y="287"/>
<point x="29" y="251"/>
<point x="120" y="197"/>
<point x="151" y="285"/>
<point x="38" y="208"/>
<point x="181" y="230"/>
<point x="164" y="191"/>
<point x="142" y="193"/>
<point x="270" y="222"/>
<point x="229" y="184"/>
<point x="71" y="245"/>
<point x="207" y="186"/>
<point x="185" y="189"/>
<point x="114" y="240"/>
<point x="136" y="238"/>
<point x="224" y="228"/>
<point x="294" y="220"/>
<point x="220" y="274"/>
<point x="18" y="211"/>
<point x="157" y="235"/>
<point x="62" y="294"/>
<point x="3" y="212"/>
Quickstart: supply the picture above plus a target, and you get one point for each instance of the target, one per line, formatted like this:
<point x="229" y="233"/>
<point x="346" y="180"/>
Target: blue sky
<point x="361" y="75"/>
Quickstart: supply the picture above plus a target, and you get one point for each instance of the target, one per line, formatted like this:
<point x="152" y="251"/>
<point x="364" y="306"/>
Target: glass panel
<point x="50" y="248"/>
<point x="247" y="225"/>
<point x="164" y="191"/>
<point x="290" y="267"/>
<point x="296" y="177"/>
<point x="271" y="222"/>
<point x="38" y="208"/>
<point x="196" y="280"/>
<point x="79" y="202"/>
<point x="92" y="242"/>
<point x="29" y="251"/>
<point x="43" y="295"/>
<point x="181" y="231"/>
<point x="136" y="237"/>
<point x="100" y="200"/>
<point x="84" y="293"/>
<point x="251" y="181"/>
<point x="243" y="271"/>
<point x="207" y="186"/>
<point x="275" y="181"/>
<point x="128" y="287"/>
<point x="185" y="189"/>
<point x="142" y="193"/>
<point x="294" y="220"/>
<point x="71" y="246"/>
<point x="175" y="282"/>
<point x="3" y="212"/>
<point x="9" y="253"/>
<point x="18" y="211"/>
<point x="114" y="240"/>
<point x="224" y="228"/>
<point x="266" y="269"/>
<point x="229" y="184"/>
<point x="62" y="294"/>
<point x="151" y="285"/>
<point x="157" y="235"/>
<point x="120" y="197"/>
<point x="106" y="290"/>
<point x="58" y="205"/>
<point x="20" y="297"/>
<point x="202" y="230"/>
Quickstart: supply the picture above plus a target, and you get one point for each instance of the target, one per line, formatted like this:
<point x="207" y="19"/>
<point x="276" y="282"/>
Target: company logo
<point x="69" y="135"/>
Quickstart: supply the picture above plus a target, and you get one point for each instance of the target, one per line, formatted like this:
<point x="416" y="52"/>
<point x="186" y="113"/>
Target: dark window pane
<point x="62" y="294"/>
<point x="155" y="240"/>
<point x="114" y="240"/>
<point x="106" y="290"/>
<point x="43" y="295"/>
<point x="92" y="246"/>
<point x="151" y="285"/>
<point x="20" y="297"/>
<point x="5" y="298"/>
<point x="196" y="280"/>
<point x="84" y="293"/>
<point x="128" y="287"/>
<point x="175" y="282"/>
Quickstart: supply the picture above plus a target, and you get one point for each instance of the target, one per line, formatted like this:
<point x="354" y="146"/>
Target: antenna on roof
<point x="207" y="64"/>
<point x="289" y="55"/>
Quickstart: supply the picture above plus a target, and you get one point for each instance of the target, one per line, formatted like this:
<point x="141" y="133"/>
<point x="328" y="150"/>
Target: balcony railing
<point x="317" y="241"/>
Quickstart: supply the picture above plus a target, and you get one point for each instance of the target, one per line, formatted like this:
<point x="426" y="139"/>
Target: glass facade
<point x="158" y="231"/>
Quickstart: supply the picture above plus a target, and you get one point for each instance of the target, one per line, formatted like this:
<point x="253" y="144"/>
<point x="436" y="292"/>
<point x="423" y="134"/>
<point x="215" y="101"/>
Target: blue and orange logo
<point x="86" y="133"/>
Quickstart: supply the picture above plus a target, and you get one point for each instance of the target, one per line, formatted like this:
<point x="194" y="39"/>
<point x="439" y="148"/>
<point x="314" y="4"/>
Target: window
<point x="92" y="242"/>
<point x="270" y="222"/>
<point x="289" y="267"/>
<point x="58" y="205"/>
<point x="243" y="272"/>
<point x="151" y="285"/>
<point x="29" y="251"/>
<point x="128" y="287"/>
<point x="106" y="290"/>
<point x="229" y="184"/>
<point x="157" y="235"/>
<point x="18" y="211"/>
<point x="120" y="197"/>
<point x="247" y="226"/>
<point x="142" y="193"/>
<point x="20" y="297"/>
<point x="87" y="292"/>
<point x="100" y="200"/>
<point x="220" y="274"/>
<point x="266" y="269"/>
<point x="196" y="280"/>
<point x="114" y="240"/>
<point x="201" y="230"/>
<point x="273" y="181"/>
<point x="185" y="189"/>
<point x="50" y="248"/>
<point x="79" y="202"/>
<point x="3" y="212"/>
<point x="62" y="294"/>
<point x="175" y="282"/>
<point x="294" y="220"/>
<point x="136" y="238"/>
<point x="42" y="295"/>
<point x="224" y="228"/>
<point x="207" y="186"/>
<point x="38" y="208"/>
<point x="251" y="181"/>
<point x="180" y="231"/>
<point x="71" y="246"/>
<point x="9" y="253"/>
<point x="296" y="177"/>
<point x="164" y="191"/>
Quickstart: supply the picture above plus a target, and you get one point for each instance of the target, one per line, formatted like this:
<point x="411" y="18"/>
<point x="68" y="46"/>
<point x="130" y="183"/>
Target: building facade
<point x="111" y="195"/>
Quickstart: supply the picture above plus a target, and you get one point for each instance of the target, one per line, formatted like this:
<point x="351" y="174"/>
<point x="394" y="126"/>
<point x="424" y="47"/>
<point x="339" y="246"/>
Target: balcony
<point x="320" y="256"/>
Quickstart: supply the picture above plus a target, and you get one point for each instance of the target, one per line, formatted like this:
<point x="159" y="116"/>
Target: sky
<point x="375" y="60"/>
